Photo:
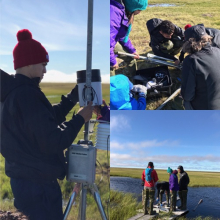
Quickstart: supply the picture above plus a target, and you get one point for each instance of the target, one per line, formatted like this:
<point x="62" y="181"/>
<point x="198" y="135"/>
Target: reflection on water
<point x="210" y="196"/>
<point x="161" y="5"/>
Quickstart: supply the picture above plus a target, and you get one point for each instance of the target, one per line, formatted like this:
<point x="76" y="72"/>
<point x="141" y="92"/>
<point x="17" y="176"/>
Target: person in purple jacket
<point x="121" y="18"/>
<point x="174" y="187"/>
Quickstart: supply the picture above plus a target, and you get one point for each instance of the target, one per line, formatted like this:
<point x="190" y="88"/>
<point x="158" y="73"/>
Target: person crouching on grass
<point x="200" y="87"/>
<point x="174" y="187"/>
<point x="34" y="133"/>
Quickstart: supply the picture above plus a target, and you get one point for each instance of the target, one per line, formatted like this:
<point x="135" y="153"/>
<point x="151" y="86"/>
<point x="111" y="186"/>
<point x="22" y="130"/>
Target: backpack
<point x="148" y="172"/>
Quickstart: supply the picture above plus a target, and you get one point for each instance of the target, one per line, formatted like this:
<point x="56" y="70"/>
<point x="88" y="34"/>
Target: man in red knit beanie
<point x="34" y="133"/>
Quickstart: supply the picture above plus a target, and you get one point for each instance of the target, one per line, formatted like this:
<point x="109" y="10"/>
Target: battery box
<point x="81" y="160"/>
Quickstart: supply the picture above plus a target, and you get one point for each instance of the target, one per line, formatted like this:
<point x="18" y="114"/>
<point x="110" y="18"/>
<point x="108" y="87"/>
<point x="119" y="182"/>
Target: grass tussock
<point x="122" y="206"/>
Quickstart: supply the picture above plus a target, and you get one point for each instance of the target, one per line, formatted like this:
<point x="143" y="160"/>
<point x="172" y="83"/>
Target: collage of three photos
<point x="68" y="151"/>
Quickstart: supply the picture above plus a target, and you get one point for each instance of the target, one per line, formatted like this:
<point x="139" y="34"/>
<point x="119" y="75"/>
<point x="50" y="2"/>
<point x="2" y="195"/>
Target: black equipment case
<point x="157" y="79"/>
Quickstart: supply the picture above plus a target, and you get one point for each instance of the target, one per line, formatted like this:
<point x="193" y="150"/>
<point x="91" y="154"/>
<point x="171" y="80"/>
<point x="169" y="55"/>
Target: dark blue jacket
<point x="33" y="132"/>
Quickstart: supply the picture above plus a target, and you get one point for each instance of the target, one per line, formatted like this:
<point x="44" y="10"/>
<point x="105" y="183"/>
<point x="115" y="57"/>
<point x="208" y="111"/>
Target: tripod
<point x="85" y="186"/>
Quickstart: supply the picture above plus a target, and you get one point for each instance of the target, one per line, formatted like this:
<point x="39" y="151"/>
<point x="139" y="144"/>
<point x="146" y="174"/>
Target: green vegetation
<point x="53" y="92"/>
<point x="184" y="12"/>
<point x="197" y="179"/>
<point x="123" y="206"/>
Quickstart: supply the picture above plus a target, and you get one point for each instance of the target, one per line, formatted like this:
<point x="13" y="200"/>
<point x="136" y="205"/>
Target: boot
<point x="184" y="194"/>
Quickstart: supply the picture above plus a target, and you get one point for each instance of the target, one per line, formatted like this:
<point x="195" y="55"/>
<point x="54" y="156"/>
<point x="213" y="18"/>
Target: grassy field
<point x="197" y="179"/>
<point x="184" y="12"/>
<point x="53" y="92"/>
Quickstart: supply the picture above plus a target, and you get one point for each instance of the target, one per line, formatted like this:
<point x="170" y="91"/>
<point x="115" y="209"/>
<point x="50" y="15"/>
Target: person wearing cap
<point x="174" y="187"/>
<point x="161" y="188"/>
<point x="122" y="94"/>
<point x="34" y="133"/>
<point x="122" y="14"/>
<point x="166" y="39"/>
<point x="200" y="85"/>
<point x="149" y="189"/>
<point x="183" y="187"/>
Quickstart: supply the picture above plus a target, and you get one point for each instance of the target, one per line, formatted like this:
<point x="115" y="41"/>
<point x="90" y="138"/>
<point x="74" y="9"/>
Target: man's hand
<point x="136" y="55"/>
<point x="115" y="66"/>
<point x="142" y="90"/>
<point x="177" y="62"/>
<point x="86" y="112"/>
<point x="73" y="95"/>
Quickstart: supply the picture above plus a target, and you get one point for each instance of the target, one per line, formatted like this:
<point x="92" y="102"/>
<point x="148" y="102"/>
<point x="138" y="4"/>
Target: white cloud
<point x="57" y="76"/>
<point x="119" y="122"/>
<point x="139" y="145"/>
<point x="208" y="162"/>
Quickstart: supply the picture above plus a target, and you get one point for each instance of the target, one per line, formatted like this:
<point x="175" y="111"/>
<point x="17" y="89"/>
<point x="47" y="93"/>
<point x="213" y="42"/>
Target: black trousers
<point x="39" y="200"/>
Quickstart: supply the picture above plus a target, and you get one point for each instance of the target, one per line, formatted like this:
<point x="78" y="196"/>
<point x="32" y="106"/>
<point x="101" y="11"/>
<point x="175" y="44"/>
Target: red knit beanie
<point x="28" y="51"/>
<point x="187" y="26"/>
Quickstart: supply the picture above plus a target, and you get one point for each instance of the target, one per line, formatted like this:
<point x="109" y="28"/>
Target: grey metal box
<point x="81" y="161"/>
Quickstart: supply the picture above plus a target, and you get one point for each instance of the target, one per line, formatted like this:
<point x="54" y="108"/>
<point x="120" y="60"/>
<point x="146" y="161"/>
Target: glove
<point x="73" y="96"/>
<point x="142" y="90"/>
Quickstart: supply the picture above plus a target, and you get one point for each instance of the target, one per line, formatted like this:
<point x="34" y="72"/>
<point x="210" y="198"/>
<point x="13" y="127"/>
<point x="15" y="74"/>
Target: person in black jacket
<point x="200" y="87"/>
<point x="161" y="188"/>
<point x="34" y="133"/>
<point x="183" y="187"/>
<point x="166" y="39"/>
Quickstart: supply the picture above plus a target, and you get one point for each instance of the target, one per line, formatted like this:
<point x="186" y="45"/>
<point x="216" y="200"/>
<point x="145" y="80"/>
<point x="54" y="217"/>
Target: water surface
<point x="210" y="196"/>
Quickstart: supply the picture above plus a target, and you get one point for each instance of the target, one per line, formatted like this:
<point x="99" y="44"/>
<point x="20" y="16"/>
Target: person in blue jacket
<point x="122" y="94"/>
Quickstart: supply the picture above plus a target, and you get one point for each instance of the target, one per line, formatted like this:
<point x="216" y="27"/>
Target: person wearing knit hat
<point x="183" y="187"/>
<point x="34" y="133"/>
<point x="200" y="84"/>
<point x="166" y="39"/>
<point x="174" y="187"/>
<point x="122" y="14"/>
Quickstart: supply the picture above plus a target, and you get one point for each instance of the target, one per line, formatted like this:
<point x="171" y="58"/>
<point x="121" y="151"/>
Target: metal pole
<point x="88" y="90"/>
<point x="97" y="198"/>
<point x="82" y="211"/>
<point x="171" y="97"/>
<point x="152" y="60"/>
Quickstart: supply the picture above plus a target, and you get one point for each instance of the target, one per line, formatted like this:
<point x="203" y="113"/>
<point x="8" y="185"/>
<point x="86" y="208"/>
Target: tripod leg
<point x="82" y="207"/>
<point x="71" y="201"/>
<point x="97" y="198"/>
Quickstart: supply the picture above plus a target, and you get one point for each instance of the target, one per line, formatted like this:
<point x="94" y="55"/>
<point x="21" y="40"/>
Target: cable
<point x="94" y="94"/>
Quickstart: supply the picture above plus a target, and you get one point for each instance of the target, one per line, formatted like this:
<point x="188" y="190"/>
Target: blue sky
<point x="168" y="138"/>
<point x="61" y="27"/>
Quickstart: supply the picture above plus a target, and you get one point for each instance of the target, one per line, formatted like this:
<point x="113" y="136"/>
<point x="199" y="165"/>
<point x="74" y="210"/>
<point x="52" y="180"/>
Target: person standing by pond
<point x="149" y="180"/>
<point x="183" y="187"/>
<point x="122" y="14"/>
<point x="174" y="187"/>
